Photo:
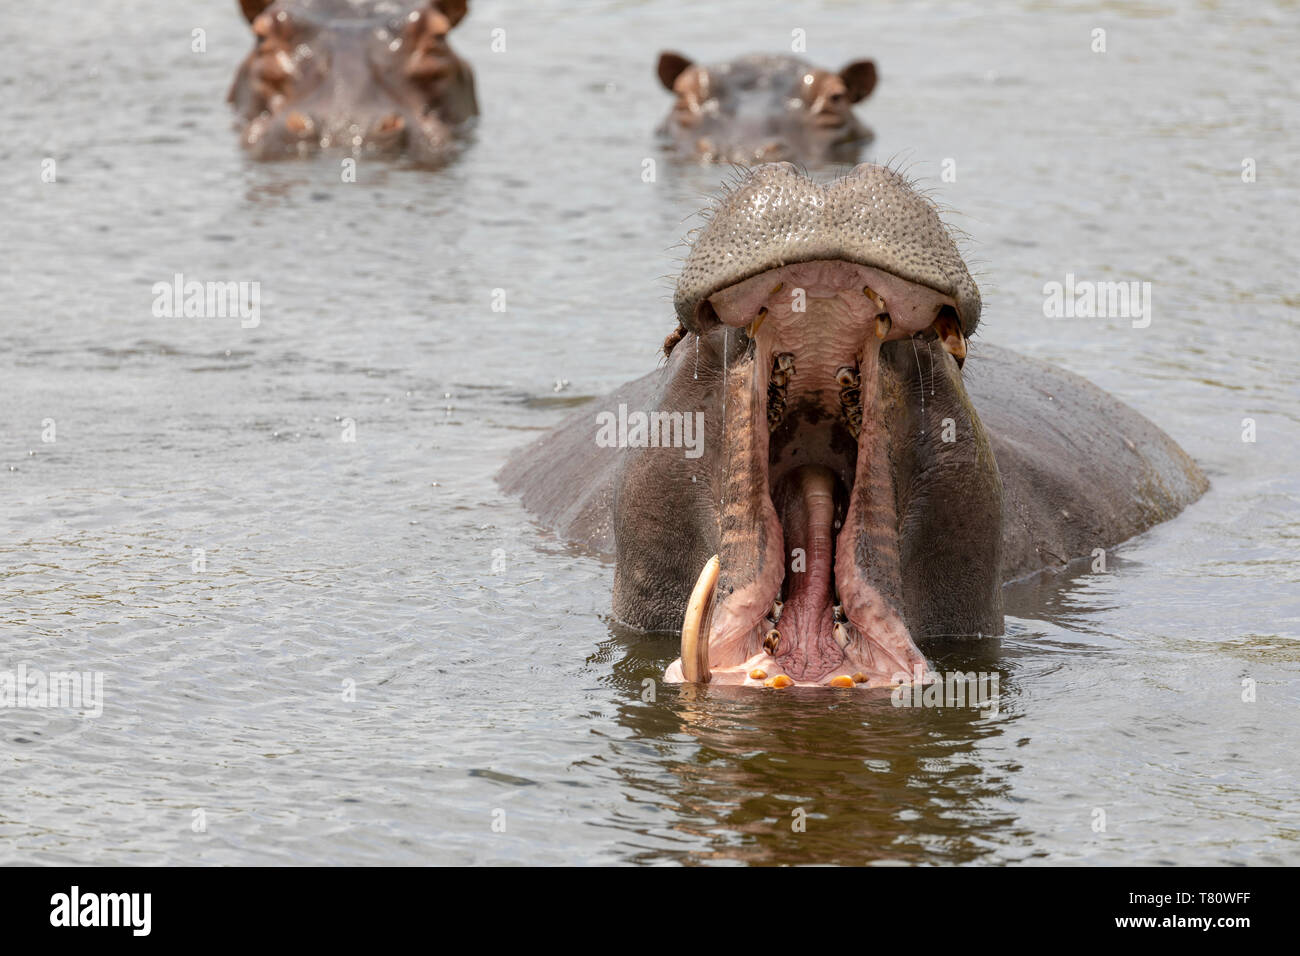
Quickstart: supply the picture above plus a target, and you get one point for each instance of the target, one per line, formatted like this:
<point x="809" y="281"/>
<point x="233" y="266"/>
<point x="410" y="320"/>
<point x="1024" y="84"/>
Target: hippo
<point x="372" y="76"/>
<point x="825" y="475"/>
<point x="765" y="108"/>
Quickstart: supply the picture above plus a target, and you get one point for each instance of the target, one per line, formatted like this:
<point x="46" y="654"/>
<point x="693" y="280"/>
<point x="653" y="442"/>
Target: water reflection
<point x="733" y="769"/>
<point x="1070" y="596"/>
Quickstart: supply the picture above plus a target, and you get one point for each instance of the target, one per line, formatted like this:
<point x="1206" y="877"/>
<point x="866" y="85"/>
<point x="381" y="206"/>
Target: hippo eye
<point x="831" y="109"/>
<point x="427" y="26"/>
<point x="279" y="26"/>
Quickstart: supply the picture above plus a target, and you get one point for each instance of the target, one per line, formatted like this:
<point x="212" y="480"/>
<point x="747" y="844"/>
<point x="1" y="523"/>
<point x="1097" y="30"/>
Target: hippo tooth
<point x="883" y="325"/>
<point x="779" y="287"/>
<point x="876" y="299"/>
<point x="697" y="624"/>
<point x="839" y="612"/>
<point x="841" y="635"/>
<point x="772" y="641"/>
<point x="775" y="400"/>
<point x="956" y="347"/>
<point x="851" y="398"/>
<point x="853" y="418"/>
<point x="777" y="608"/>
<point x="950" y="336"/>
<point x="676" y="336"/>
<point x="785" y="362"/>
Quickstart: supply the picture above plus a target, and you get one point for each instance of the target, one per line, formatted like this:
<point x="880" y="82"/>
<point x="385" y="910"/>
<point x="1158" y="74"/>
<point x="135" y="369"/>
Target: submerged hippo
<point x="765" y="109"/>
<point x="821" y="478"/>
<point x="365" y="75"/>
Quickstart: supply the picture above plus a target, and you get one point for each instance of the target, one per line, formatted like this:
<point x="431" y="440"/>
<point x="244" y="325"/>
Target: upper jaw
<point x="777" y="216"/>
<point x="849" y="629"/>
<point x="912" y="307"/>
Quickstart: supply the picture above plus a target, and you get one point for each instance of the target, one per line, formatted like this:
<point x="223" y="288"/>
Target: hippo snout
<point x="770" y="151"/>
<point x="388" y="132"/>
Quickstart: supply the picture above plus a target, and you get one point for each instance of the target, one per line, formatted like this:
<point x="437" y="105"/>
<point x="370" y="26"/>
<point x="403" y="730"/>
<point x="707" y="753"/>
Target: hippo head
<point x="759" y="109"/>
<point x="365" y="75"/>
<point x="858" y="503"/>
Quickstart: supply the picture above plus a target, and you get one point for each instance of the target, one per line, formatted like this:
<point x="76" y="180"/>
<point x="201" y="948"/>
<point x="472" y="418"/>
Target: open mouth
<point x="806" y="588"/>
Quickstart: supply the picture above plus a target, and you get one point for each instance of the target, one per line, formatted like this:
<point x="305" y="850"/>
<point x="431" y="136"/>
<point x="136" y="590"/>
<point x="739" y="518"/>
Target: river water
<point x="318" y="651"/>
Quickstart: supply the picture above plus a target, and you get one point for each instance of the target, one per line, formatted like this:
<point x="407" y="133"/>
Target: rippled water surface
<point x="489" y="683"/>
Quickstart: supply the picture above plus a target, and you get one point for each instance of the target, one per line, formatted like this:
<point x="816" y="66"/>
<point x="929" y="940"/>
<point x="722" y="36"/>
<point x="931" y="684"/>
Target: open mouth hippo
<point x="372" y="76"/>
<point x="805" y="488"/>
<point x="761" y="109"/>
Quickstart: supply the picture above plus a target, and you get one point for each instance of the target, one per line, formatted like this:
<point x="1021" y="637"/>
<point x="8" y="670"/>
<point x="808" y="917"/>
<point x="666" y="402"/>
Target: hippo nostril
<point x="299" y="124"/>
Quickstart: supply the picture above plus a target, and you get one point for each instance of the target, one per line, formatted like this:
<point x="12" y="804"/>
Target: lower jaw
<point x="869" y="657"/>
<point x="762" y="670"/>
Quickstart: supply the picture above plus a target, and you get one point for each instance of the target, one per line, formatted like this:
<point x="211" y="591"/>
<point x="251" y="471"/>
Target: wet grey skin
<point x="765" y="108"/>
<point x="916" y="473"/>
<point x="373" y="77"/>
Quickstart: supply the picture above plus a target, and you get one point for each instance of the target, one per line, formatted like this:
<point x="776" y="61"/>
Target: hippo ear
<point x="453" y="10"/>
<point x="671" y="66"/>
<point x="254" y="8"/>
<point x="860" y="79"/>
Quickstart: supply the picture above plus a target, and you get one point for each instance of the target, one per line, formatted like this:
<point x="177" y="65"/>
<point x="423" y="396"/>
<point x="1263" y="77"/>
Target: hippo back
<point x="1080" y="469"/>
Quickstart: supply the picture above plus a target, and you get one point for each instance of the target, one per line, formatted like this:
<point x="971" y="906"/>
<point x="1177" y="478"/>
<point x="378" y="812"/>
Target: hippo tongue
<point x="807" y="648"/>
